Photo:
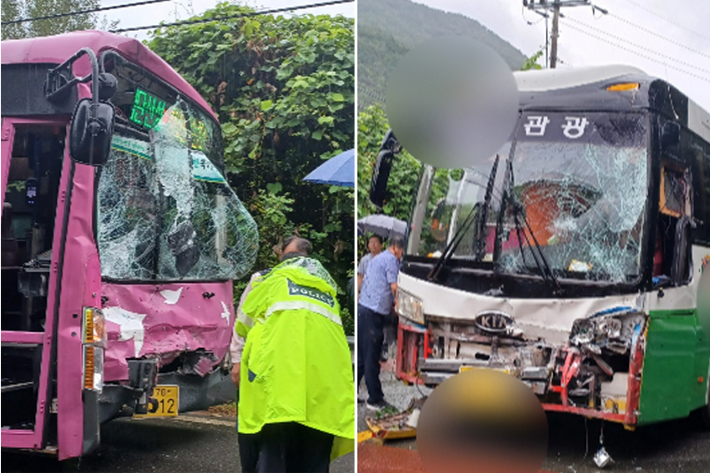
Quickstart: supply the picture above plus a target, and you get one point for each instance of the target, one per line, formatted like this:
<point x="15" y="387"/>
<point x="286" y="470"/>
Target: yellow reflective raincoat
<point x="296" y="364"/>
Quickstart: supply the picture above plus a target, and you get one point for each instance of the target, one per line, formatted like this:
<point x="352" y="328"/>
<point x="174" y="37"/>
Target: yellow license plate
<point x="164" y="402"/>
<point x="471" y="368"/>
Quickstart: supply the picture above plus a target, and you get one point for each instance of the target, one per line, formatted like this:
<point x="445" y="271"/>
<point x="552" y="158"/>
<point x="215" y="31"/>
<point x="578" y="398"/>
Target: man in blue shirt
<point x="377" y="296"/>
<point x="374" y="244"/>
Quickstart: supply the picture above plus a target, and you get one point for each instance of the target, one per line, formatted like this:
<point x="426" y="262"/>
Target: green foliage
<point x="403" y="182"/>
<point x="283" y="89"/>
<point x="372" y="126"/>
<point x="531" y="62"/>
<point x="17" y="9"/>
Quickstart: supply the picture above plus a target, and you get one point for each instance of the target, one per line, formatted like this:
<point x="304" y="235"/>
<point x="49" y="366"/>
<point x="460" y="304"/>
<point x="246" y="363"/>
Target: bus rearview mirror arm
<point x="383" y="166"/>
<point x="93" y="118"/>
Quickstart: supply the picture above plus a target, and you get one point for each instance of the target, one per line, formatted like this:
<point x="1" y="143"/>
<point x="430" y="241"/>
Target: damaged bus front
<point x="120" y="238"/>
<point x="573" y="257"/>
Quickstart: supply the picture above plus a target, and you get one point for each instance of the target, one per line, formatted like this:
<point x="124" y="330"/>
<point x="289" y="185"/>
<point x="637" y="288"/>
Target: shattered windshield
<point x="165" y="212"/>
<point x="580" y="184"/>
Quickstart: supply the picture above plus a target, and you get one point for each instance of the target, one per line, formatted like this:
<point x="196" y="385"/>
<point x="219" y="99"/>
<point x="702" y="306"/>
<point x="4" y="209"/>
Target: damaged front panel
<point x="594" y="369"/>
<point x="577" y="355"/>
<point x="185" y="328"/>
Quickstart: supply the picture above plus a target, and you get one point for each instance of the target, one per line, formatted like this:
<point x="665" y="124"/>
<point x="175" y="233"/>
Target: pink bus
<point x="120" y="241"/>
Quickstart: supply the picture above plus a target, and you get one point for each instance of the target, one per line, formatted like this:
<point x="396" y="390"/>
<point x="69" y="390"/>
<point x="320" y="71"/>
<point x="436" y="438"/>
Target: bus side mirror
<point x="90" y="133"/>
<point x="670" y="135"/>
<point x="380" y="176"/>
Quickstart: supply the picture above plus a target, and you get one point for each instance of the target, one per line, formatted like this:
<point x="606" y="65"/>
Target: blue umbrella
<point x="337" y="171"/>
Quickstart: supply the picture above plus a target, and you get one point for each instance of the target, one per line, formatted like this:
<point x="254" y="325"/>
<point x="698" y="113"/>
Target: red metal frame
<point x="410" y="333"/>
<point x="633" y="391"/>
<point x="621" y="418"/>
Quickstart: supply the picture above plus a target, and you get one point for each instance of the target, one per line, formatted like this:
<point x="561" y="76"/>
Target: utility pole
<point x="541" y="7"/>
<point x="555" y="34"/>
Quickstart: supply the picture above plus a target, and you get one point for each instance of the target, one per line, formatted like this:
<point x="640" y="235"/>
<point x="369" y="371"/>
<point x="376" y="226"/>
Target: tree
<point x="283" y="89"/>
<point x="19" y="9"/>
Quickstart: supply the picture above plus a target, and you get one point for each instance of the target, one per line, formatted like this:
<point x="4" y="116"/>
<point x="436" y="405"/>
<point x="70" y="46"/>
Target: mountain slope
<point x="387" y="29"/>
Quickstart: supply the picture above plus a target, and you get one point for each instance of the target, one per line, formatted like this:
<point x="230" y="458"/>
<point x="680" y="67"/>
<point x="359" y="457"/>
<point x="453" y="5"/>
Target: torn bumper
<point x="596" y="373"/>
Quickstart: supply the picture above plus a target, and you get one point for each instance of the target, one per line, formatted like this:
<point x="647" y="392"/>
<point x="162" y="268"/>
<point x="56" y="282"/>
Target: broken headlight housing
<point x="410" y="307"/>
<point x="612" y="330"/>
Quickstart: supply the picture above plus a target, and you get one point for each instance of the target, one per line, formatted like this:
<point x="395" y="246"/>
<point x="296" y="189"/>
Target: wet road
<point x="185" y="444"/>
<point x="671" y="447"/>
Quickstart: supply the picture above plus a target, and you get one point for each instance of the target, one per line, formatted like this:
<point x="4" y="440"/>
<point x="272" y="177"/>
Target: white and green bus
<point x="573" y="258"/>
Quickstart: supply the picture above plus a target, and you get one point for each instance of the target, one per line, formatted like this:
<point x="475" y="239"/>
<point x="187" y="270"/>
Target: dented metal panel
<point x="166" y="321"/>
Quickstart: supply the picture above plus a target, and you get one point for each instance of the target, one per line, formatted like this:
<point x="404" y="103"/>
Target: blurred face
<point x="374" y="245"/>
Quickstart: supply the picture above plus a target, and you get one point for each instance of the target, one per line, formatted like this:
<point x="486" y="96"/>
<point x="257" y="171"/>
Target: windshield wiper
<point x="518" y="213"/>
<point x="479" y="237"/>
<point x="470" y="218"/>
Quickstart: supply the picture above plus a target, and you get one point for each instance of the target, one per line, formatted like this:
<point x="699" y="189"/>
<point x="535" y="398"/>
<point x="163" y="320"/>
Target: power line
<point x="651" y="32"/>
<point x="555" y="6"/>
<point x="83" y="12"/>
<point x="231" y="17"/>
<point x="666" y="19"/>
<point x="650" y="58"/>
<point x="644" y="48"/>
<point x="530" y="23"/>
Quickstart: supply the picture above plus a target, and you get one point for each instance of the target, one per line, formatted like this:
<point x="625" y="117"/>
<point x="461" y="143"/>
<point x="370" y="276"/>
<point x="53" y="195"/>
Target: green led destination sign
<point x="147" y="109"/>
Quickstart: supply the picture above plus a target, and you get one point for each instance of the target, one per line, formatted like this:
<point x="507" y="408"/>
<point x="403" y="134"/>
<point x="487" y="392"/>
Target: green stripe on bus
<point x="676" y="360"/>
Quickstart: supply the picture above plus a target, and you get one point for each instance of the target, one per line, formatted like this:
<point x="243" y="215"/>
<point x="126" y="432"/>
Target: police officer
<point x="296" y="381"/>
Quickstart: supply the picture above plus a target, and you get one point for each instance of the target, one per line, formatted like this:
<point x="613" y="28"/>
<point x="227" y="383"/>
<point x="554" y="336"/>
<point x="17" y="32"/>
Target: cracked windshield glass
<point x="163" y="201"/>
<point x="579" y="184"/>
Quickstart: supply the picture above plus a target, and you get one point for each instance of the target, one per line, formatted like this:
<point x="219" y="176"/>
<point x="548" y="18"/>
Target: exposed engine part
<point x="590" y="371"/>
<point x="610" y="332"/>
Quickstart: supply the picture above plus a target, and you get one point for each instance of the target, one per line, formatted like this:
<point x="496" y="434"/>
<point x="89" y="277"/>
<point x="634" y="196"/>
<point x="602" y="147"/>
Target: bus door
<point x="53" y="331"/>
<point x="32" y="157"/>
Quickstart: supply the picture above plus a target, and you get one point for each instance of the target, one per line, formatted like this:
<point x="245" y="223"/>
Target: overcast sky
<point x="683" y="58"/>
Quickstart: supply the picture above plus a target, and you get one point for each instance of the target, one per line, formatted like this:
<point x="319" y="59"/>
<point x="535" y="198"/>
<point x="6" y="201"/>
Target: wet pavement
<point x="189" y="443"/>
<point x="671" y="447"/>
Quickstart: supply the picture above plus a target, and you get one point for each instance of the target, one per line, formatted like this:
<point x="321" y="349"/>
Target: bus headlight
<point x="94" y="342"/>
<point x="410" y="307"/>
<point x="94" y="327"/>
<point x="93" y="368"/>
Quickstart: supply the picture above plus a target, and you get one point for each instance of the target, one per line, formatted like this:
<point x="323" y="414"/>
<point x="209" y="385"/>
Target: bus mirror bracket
<point x="93" y="118"/>
<point x="383" y="166"/>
